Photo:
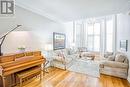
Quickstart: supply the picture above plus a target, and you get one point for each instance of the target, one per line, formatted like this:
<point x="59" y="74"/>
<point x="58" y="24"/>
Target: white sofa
<point x="115" y="65"/>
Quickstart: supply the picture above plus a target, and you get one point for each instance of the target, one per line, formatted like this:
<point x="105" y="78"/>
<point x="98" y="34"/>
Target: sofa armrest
<point x="114" y="64"/>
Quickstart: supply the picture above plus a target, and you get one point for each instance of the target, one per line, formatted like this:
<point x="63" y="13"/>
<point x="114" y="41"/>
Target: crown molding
<point x="39" y="12"/>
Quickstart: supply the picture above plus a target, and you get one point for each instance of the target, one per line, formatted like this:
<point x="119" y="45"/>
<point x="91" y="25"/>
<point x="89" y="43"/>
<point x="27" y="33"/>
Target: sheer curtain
<point x="79" y="34"/>
<point x="93" y="36"/>
<point x="97" y="34"/>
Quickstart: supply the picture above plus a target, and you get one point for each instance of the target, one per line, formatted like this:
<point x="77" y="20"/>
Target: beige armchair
<point x="61" y="59"/>
<point x="115" y="66"/>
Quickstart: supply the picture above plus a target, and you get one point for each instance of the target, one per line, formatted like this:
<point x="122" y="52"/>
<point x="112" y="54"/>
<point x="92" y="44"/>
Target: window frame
<point x="93" y="35"/>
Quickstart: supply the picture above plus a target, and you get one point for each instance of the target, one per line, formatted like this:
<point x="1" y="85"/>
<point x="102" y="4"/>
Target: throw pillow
<point x="107" y="54"/>
<point x="126" y="61"/>
<point x="111" y="58"/>
<point x="120" y="58"/>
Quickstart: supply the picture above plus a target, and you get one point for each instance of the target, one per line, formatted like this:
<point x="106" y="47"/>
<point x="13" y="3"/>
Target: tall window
<point x="78" y="33"/>
<point x="97" y="29"/>
<point x="95" y="34"/>
<point x="93" y="37"/>
<point x="109" y="35"/>
<point x="90" y="37"/>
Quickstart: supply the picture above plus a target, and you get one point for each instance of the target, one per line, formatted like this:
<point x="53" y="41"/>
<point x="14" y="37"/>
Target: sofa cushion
<point x="111" y="58"/>
<point x="8" y="58"/>
<point x="107" y="54"/>
<point x="120" y="58"/>
<point x="126" y="61"/>
<point x="87" y="54"/>
<point x="114" y="64"/>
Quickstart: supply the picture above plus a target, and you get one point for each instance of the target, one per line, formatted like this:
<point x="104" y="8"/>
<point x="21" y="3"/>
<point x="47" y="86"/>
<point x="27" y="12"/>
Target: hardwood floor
<point x="60" y="78"/>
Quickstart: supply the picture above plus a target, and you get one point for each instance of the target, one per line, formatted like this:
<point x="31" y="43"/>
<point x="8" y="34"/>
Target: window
<point x="93" y="37"/>
<point x="96" y="34"/>
<point x="78" y="34"/>
<point x="90" y="37"/>
<point x="109" y="35"/>
<point x="97" y="37"/>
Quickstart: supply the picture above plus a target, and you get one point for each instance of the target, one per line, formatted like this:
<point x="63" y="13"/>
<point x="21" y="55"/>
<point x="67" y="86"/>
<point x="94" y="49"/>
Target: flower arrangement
<point x="21" y="48"/>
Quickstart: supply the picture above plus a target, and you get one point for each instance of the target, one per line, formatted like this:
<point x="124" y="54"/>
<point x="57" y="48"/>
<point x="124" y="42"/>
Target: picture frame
<point x="124" y="45"/>
<point x="59" y="41"/>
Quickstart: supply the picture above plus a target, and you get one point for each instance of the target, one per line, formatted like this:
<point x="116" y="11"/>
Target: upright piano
<point x="13" y="63"/>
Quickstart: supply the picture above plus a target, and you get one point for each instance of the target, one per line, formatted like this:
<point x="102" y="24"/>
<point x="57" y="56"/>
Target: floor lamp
<point x="4" y="36"/>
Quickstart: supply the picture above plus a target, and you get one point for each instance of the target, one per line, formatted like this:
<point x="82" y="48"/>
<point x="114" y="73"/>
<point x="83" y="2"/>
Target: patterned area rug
<point x="85" y="66"/>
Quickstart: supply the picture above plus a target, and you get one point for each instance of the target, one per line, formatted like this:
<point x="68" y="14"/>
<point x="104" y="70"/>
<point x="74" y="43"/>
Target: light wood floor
<point x="60" y="78"/>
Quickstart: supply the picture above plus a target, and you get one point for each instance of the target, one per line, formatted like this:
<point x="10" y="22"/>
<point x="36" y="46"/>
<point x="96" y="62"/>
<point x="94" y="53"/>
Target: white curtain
<point x="97" y="34"/>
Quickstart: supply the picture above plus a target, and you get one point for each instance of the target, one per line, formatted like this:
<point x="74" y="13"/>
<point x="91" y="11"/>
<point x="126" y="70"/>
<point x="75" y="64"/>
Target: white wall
<point x="36" y="31"/>
<point x="123" y="32"/>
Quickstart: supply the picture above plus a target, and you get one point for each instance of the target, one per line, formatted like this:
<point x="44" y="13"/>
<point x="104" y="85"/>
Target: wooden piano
<point x="11" y="64"/>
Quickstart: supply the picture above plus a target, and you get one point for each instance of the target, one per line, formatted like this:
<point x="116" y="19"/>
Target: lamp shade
<point x="48" y="47"/>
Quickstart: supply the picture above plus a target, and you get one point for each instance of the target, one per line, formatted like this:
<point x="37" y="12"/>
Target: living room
<point x="83" y="44"/>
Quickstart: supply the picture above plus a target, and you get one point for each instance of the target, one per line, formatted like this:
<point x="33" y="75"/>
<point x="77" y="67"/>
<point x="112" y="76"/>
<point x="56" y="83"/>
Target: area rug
<point x="88" y="67"/>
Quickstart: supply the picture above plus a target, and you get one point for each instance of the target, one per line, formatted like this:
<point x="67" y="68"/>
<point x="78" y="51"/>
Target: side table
<point x="47" y="64"/>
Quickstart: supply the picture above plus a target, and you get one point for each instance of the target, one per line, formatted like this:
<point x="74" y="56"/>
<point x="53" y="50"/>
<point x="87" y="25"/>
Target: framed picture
<point x="59" y="41"/>
<point x="124" y="45"/>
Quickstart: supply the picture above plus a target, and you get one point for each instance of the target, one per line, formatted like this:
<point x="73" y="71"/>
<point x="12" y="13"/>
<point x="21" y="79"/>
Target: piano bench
<point x="32" y="72"/>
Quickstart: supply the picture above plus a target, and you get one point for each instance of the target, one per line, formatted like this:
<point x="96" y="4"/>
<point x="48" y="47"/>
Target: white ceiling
<point x="67" y="10"/>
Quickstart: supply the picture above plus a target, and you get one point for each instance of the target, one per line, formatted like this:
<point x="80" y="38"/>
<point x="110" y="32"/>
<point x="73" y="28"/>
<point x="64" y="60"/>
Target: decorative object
<point x="124" y="45"/>
<point x="21" y="48"/>
<point x="4" y="36"/>
<point x="58" y="41"/>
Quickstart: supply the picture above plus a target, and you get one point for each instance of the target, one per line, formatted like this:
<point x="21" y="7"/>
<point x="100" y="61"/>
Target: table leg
<point x="45" y="69"/>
